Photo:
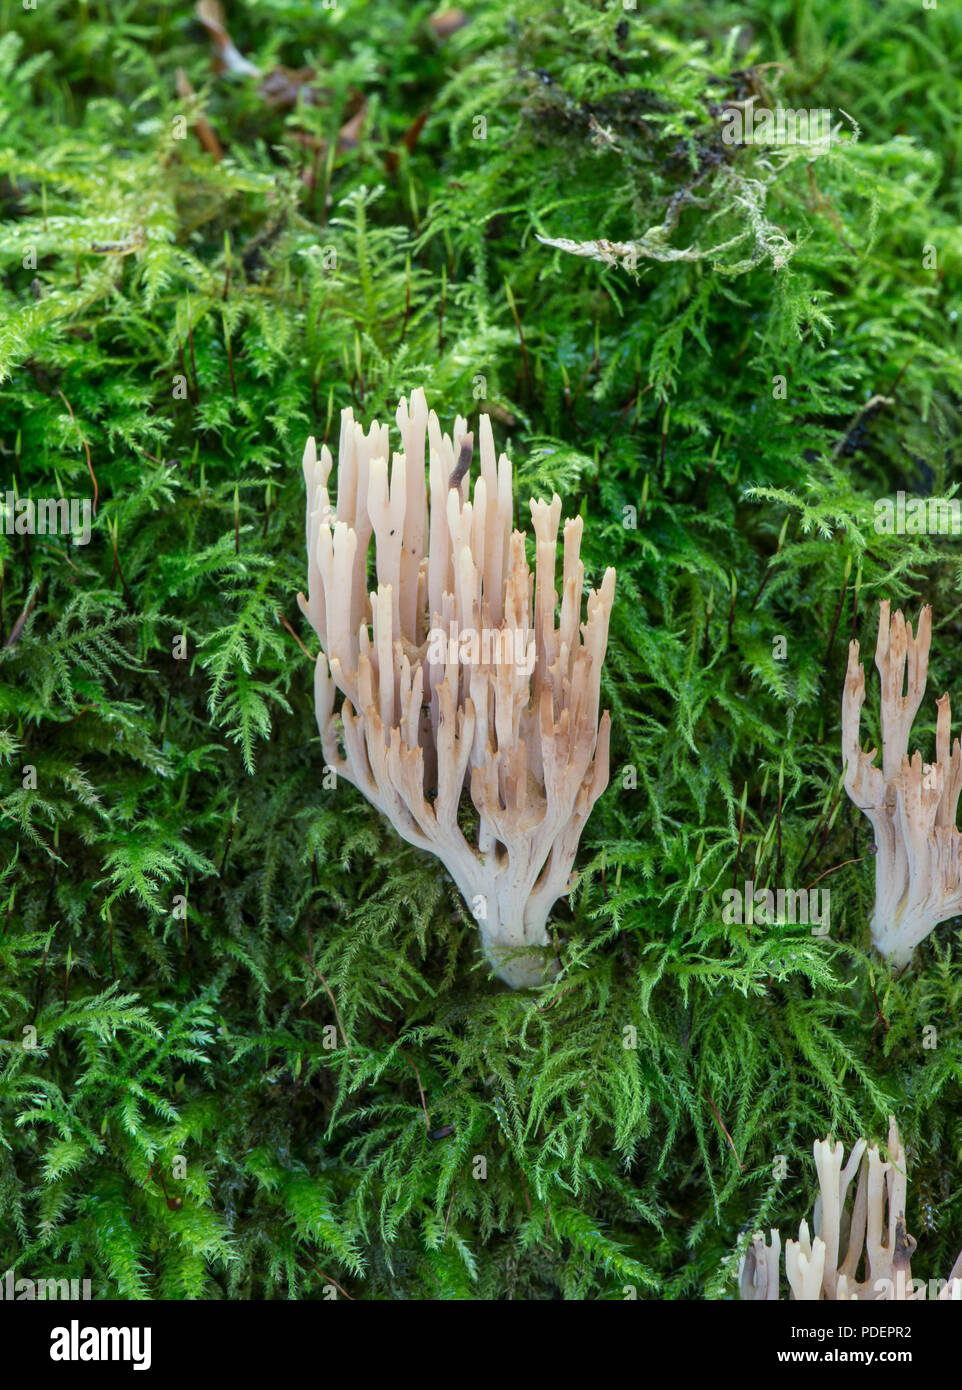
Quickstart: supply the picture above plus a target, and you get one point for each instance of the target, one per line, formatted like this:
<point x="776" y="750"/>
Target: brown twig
<point x="21" y="622"/>
<point x="835" y="867"/>
<point x="721" y="1123"/>
<point x="330" y="995"/>
<point x="318" y="1270"/>
<point x="424" y="1104"/>
<point x="448" y="1217"/>
<point x="550" y="1003"/>
<point x="93" y="476"/>
<point x="879" y="1019"/>
<point x="173" y="1203"/>
<point x="624" y="414"/>
<point x="825" y="820"/>
<point x="295" y="636"/>
<point x="761" y="588"/>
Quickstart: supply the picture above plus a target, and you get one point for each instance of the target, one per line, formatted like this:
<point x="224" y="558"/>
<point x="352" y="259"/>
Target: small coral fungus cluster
<point x="857" y="1251"/>
<point x="912" y="805"/>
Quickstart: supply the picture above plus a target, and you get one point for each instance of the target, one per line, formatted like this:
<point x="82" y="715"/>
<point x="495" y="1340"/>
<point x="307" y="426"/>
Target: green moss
<point x="190" y="322"/>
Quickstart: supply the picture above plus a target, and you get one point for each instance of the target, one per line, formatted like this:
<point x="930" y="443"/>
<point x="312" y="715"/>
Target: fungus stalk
<point x="459" y="670"/>
<point x="911" y="804"/>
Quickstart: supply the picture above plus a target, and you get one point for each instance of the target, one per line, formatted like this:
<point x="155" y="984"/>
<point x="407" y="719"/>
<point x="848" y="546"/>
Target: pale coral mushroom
<point x="871" y="1230"/>
<point x="912" y="805"/>
<point x="456" y="674"/>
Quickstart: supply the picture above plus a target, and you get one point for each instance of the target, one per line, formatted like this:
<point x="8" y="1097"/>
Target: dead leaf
<point x="409" y="139"/>
<point x="286" y="86"/>
<point x="347" y="139"/>
<point x="227" y="56"/>
<point x="448" y="22"/>
<point x="499" y="413"/>
<point x="201" y="126"/>
<point x="349" y="134"/>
